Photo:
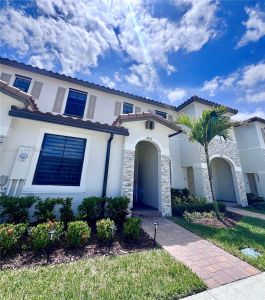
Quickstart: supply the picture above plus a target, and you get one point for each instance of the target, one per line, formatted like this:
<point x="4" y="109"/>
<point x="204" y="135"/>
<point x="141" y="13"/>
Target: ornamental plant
<point x="39" y="235"/>
<point x="104" y="231"/>
<point x="77" y="234"/>
<point x="117" y="210"/>
<point x="132" y="229"/>
<point x="92" y="209"/>
<point x="16" y="210"/>
<point x="67" y="214"/>
<point x="11" y="237"/>
<point x="44" y="209"/>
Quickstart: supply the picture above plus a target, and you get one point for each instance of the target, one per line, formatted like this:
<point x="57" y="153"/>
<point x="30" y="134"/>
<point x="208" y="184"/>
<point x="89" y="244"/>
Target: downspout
<point x="106" y="170"/>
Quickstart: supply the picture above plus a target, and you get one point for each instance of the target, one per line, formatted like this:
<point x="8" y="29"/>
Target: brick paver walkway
<point x="212" y="264"/>
<point x="246" y="212"/>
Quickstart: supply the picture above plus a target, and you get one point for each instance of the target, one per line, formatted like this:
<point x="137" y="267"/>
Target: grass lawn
<point x="249" y="232"/>
<point x="144" y="275"/>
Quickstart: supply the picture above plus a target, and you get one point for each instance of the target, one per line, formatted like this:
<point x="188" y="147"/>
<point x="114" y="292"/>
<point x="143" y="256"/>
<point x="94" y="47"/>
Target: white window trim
<point x="33" y="188"/>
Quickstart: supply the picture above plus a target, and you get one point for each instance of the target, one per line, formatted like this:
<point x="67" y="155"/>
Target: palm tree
<point x="212" y="123"/>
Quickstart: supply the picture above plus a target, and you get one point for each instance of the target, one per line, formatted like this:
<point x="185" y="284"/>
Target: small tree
<point x="212" y="123"/>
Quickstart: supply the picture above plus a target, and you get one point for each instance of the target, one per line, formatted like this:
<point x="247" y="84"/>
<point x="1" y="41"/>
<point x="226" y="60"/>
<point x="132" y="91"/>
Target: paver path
<point x="212" y="264"/>
<point x="246" y="212"/>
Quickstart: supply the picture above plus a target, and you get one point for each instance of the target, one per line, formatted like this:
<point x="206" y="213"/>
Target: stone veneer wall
<point x="128" y="180"/>
<point x="229" y="149"/>
<point x="128" y="175"/>
<point x="165" y="186"/>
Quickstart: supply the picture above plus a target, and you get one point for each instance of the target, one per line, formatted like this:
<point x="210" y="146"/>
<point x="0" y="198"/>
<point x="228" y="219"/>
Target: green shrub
<point x="39" y="235"/>
<point x="92" y="209"/>
<point x="179" y="209"/>
<point x="194" y="216"/>
<point x="104" y="229"/>
<point x="11" y="237"/>
<point x="252" y="198"/>
<point x="180" y="193"/>
<point x="15" y="209"/>
<point x="132" y="229"/>
<point x="44" y="209"/>
<point x="77" y="234"/>
<point x="117" y="210"/>
<point x="67" y="214"/>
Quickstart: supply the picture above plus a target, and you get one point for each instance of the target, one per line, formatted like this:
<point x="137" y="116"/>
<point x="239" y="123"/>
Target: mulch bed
<point x="60" y="254"/>
<point x="229" y="220"/>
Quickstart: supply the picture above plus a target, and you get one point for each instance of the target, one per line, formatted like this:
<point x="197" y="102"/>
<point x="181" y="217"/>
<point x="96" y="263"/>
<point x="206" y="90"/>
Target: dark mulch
<point x="228" y="220"/>
<point x="60" y="254"/>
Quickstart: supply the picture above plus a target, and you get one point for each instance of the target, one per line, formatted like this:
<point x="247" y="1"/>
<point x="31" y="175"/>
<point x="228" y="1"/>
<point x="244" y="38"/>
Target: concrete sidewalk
<point x="252" y="288"/>
<point x="211" y="263"/>
<point x="245" y="213"/>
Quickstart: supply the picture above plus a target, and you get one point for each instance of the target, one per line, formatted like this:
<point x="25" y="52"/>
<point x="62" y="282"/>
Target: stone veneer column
<point x="165" y="186"/>
<point x="241" y="188"/>
<point x="206" y="184"/>
<point x="128" y="175"/>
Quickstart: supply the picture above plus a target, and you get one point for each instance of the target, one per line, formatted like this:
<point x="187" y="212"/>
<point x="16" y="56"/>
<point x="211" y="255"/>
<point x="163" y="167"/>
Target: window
<point x="161" y="114"/>
<point x="76" y="102"/>
<point x="22" y="83"/>
<point x="60" y="161"/>
<point x="127" y="108"/>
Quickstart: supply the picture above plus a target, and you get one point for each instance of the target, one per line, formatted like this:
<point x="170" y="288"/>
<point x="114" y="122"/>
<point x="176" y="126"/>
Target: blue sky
<point x="164" y="50"/>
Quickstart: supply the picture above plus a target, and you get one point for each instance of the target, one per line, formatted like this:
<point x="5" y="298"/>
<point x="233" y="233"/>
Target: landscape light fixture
<point x="155" y="227"/>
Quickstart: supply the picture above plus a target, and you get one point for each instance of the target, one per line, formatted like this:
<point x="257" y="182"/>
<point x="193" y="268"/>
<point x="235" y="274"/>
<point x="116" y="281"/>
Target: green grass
<point x="144" y="275"/>
<point x="249" y="232"/>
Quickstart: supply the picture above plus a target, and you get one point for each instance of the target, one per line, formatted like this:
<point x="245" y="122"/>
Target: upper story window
<point x="127" y="108"/>
<point x="60" y="161"/>
<point x="161" y="114"/>
<point x="22" y="83"/>
<point x="76" y="102"/>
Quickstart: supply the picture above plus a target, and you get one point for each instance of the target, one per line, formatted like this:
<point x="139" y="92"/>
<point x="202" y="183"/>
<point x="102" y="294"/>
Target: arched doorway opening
<point x="146" y="183"/>
<point x="223" y="181"/>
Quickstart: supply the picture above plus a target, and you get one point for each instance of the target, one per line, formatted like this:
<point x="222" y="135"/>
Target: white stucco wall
<point x="105" y="103"/>
<point x="30" y="133"/>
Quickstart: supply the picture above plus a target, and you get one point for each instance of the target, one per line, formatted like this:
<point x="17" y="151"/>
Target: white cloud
<point x="255" y="26"/>
<point x="176" y="94"/>
<point x="247" y="83"/>
<point x="142" y="75"/>
<point x="106" y="81"/>
<point x="241" y="116"/>
<point x="76" y="34"/>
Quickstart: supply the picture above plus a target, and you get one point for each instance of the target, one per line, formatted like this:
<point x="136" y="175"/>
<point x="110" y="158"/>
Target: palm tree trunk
<point x="210" y="174"/>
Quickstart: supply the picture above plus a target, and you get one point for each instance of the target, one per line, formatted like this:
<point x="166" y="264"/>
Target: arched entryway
<point x="223" y="181"/>
<point x="146" y="180"/>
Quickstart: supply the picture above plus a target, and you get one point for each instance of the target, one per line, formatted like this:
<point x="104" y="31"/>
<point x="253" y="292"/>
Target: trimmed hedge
<point x="179" y="209"/>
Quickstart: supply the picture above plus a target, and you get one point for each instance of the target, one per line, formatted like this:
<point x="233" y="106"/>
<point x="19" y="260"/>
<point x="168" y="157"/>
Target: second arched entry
<point x="146" y="176"/>
<point x="223" y="182"/>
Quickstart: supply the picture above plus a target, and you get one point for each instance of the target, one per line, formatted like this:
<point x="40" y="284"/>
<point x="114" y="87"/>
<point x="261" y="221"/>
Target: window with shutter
<point x="58" y="103"/>
<point x="170" y="118"/>
<point x="161" y="114"/>
<point x="60" y="161"/>
<point x="127" y="108"/>
<point x="76" y="102"/>
<point x="36" y="89"/>
<point x="6" y="77"/>
<point x="22" y="83"/>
